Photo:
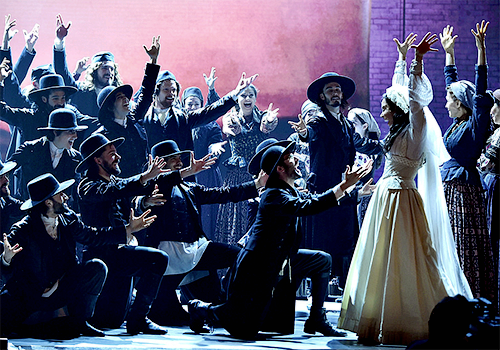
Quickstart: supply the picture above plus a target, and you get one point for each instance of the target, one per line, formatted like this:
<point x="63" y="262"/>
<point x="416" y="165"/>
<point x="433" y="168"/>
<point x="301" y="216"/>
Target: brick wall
<point x="397" y="18"/>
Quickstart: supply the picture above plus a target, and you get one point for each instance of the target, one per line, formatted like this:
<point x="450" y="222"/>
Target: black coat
<point x="274" y="237"/>
<point x="181" y="212"/>
<point x="33" y="157"/>
<point x="44" y="260"/>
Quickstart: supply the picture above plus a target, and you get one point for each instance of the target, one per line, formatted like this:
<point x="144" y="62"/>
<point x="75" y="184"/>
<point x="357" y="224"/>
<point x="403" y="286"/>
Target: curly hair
<point x="91" y="75"/>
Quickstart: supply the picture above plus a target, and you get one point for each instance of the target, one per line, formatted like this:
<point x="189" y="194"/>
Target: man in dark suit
<point x="332" y="146"/>
<point x="53" y="153"/>
<point x="272" y="251"/>
<point x="45" y="279"/>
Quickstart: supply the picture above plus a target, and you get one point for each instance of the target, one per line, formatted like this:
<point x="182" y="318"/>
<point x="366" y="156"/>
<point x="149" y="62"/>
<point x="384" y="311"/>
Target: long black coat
<point x="44" y="260"/>
<point x="34" y="159"/>
<point x="274" y="236"/>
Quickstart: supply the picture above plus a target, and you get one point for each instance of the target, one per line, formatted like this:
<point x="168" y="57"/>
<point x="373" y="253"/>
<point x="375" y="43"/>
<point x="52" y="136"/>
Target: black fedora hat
<point x="254" y="164"/>
<point x="40" y="71"/>
<point x="63" y="119"/>
<point x="273" y="155"/>
<point x="347" y="84"/>
<point x="166" y="149"/>
<point x="49" y="82"/>
<point x="43" y="187"/>
<point x="6" y="167"/>
<point x="106" y="96"/>
<point x="93" y="144"/>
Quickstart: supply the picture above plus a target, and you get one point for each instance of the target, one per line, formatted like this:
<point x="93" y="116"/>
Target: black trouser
<point x="77" y="291"/>
<point x="167" y="310"/>
<point x="147" y="264"/>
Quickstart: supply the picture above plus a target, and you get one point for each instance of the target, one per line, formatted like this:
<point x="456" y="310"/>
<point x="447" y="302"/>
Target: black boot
<point x="138" y="324"/>
<point x="199" y="313"/>
<point x="317" y="322"/>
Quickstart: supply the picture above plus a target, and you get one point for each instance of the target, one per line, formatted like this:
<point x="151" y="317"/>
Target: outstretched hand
<point x="198" y="165"/>
<point x="480" y="34"/>
<point x="155" y="199"/>
<point x="8" y="32"/>
<point x="353" y="175"/>
<point x="405" y="46"/>
<point x="447" y="39"/>
<point x="269" y="120"/>
<point x="216" y="149"/>
<point x="10" y="251"/>
<point x="31" y="37"/>
<point x="425" y="44"/>
<point x="155" y="168"/>
<point x="61" y="29"/>
<point x="5" y="69"/>
<point x="244" y="82"/>
<point x="154" y="51"/>
<point x="137" y="223"/>
<point x="210" y="80"/>
<point x="300" y="126"/>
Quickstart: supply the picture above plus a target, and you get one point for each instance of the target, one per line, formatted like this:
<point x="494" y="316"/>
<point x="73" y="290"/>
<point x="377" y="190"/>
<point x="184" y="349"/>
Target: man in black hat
<point x="46" y="280"/>
<point x="271" y="251"/>
<point x="105" y="200"/>
<point x="167" y="120"/>
<point x="119" y="120"/>
<point x="10" y="207"/>
<point x="332" y="146"/>
<point x="53" y="153"/>
<point x="101" y="72"/>
<point x="185" y="242"/>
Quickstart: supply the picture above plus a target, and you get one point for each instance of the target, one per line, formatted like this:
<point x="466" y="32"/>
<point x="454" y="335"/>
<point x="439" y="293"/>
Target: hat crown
<point x="92" y="143"/>
<point x="62" y="118"/>
<point x="42" y="187"/>
<point x="103" y="56"/>
<point x="165" y="75"/>
<point x="270" y="158"/>
<point x="265" y="144"/>
<point x="103" y="94"/>
<point x="40" y="71"/>
<point x="51" y="81"/>
<point x="164" y="149"/>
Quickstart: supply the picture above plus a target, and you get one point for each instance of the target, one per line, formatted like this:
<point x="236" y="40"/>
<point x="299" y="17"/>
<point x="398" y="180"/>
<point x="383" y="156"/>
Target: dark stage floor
<point x="184" y="338"/>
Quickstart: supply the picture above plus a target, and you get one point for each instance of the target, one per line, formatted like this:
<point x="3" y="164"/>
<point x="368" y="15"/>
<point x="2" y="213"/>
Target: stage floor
<point x="184" y="338"/>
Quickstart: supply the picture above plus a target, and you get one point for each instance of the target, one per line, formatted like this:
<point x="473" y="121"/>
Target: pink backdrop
<point x="288" y="42"/>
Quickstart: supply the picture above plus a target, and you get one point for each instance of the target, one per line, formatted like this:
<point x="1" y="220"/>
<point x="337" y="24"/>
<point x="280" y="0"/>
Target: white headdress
<point x="399" y="96"/>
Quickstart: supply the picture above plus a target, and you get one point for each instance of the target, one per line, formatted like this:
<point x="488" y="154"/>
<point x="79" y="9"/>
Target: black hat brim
<point x="254" y="164"/>
<point x="128" y="90"/>
<point x="62" y="186"/>
<point x="347" y="84"/>
<point x="35" y="95"/>
<point x="83" y="165"/>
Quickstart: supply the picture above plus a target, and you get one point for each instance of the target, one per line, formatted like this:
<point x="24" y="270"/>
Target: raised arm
<point x="448" y="42"/>
<point x="480" y="36"/>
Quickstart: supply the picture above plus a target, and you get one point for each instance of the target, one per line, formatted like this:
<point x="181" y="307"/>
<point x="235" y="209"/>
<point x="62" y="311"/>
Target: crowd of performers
<point x="113" y="201"/>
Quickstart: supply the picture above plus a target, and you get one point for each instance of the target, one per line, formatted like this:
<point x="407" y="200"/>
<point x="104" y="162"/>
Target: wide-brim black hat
<point x="93" y="144"/>
<point x="273" y="155"/>
<point x="347" y="85"/>
<point x="51" y="82"/>
<point x="63" y="119"/>
<point x="6" y="167"/>
<point x="43" y="187"/>
<point x="254" y="164"/>
<point x="107" y="95"/>
<point x="167" y="149"/>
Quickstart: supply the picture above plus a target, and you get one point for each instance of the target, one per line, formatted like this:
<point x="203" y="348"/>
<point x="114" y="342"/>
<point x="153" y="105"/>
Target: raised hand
<point x="231" y="123"/>
<point x="155" y="199"/>
<point x="154" y="51"/>
<point x="269" y="120"/>
<point x="5" y="69"/>
<point x="425" y="44"/>
<point x="155" y="168"/>
<point x="61" y="29"/>
<point x="405" y="46"/>
<point x="31" y="37"/>
<point x="244" y="82"/>
<point x="300" y="126"/>
<point x="8" y="32"/>
<point x="9" y="251"/>
<point x="353" y="175"/>
<point x="480" y="34"/>
<point x="447" y="39"/>
<point x="210" y="80"/>
<point x="81" y="65"/>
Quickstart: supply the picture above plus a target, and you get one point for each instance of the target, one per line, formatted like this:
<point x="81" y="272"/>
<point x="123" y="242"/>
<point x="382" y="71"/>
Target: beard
<point x="112" y="170"/>
<point x="60" y="208"/>
<point x="4" y="190"/>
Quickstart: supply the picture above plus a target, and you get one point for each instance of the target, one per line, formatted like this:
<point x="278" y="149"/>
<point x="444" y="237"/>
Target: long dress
<point x="232" y="217"/>
<point x="397" y="274"/>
